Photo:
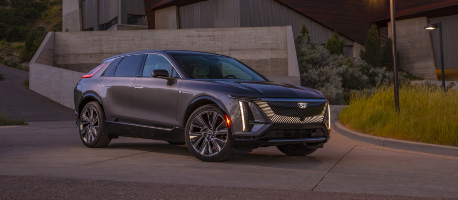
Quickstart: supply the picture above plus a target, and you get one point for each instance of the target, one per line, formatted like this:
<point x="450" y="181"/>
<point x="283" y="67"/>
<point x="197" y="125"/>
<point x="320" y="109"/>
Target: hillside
<point x="23" y="25"/>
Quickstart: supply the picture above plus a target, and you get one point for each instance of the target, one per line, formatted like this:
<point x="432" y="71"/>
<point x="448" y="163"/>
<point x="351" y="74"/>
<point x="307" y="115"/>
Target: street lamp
<point x="395" y="59"/>
<point x="435" y="26"/>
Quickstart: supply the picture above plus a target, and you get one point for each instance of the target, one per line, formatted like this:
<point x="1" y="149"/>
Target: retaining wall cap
<point x="397" y="144"/>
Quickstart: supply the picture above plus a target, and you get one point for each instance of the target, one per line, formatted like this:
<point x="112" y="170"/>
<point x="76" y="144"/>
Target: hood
<point x="269" y="89"/>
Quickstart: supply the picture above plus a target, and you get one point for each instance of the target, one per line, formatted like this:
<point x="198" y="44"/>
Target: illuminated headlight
<point x="328" y="117"/>
<point x="252" y="119"/>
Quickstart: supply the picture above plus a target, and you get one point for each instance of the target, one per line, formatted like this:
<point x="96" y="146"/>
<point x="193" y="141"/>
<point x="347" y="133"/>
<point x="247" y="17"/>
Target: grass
<point x="427" y="114"/>
<point x="4" y="121"/>
<point x="26" y="83"/>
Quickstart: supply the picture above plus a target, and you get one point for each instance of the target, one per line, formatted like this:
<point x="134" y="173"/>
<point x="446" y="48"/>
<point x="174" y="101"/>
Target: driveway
<point x="17" y="102"/>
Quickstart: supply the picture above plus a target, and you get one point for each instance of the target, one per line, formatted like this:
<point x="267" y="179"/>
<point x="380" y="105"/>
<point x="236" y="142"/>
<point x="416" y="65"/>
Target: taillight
<point x="92" y="74"/>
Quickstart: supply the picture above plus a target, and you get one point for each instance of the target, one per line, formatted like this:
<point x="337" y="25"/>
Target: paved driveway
<point x="53" y="149"/>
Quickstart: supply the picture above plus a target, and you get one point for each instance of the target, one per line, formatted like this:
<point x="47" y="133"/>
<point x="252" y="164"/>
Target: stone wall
<point x="64" y="56"/>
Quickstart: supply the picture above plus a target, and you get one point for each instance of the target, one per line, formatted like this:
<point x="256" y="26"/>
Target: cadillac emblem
<point x="302" y="105"/>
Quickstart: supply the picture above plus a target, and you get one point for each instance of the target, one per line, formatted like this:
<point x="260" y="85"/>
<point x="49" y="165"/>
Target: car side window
<point x="154" y="62"/>
<point x="128" y="67"/>
<point x="112" y="68"/>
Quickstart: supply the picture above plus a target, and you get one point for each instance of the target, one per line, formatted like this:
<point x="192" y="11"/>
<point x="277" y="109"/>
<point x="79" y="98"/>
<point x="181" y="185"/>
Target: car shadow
<point x="258" y="157"/>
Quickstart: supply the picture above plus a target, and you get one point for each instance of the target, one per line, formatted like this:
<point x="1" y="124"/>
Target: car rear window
<point x="112" y="68"/>
<point x="128" y="67"/>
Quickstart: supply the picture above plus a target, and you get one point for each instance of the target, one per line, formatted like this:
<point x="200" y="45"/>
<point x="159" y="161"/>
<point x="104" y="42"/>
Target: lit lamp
<point x="435" y="26"/>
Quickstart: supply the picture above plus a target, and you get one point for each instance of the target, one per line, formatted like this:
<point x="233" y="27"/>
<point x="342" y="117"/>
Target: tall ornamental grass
<point x="427" y="114"/>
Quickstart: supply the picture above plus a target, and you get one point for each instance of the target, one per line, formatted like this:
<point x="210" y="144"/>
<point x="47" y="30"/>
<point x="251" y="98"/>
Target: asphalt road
<point x="46" y="160"/>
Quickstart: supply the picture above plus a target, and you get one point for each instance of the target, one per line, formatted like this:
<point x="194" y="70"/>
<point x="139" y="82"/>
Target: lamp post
<point x="395" y="59"/>
<point x="435" y="26"/>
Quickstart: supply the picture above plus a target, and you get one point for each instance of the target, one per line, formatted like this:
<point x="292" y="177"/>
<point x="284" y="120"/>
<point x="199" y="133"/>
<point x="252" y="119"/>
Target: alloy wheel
<point x="208" y="133"/>
<point x="89" y="124"/>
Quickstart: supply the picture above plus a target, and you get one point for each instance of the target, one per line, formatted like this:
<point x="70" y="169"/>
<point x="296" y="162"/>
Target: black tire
<point x="210" y="142"/>
<point x="92" y="127"/>
<point x="176" y="143"/>
<point x="296" y="149"/>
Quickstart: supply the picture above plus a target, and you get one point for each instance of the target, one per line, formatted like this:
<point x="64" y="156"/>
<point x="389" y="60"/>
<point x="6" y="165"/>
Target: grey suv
<point x="212" y="103"/>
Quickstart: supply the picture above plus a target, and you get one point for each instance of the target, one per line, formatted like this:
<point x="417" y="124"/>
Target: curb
<point x="397" y="144"/>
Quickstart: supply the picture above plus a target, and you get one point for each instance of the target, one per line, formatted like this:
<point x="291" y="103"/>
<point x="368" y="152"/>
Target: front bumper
<point x="310" y="134"/>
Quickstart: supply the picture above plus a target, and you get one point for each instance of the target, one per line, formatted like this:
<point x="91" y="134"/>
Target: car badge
<point x="302" y="105"/>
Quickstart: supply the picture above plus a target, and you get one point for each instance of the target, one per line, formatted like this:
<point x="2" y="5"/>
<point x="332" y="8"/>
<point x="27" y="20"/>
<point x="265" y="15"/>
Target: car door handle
<point x="138" y="87"/>
<point x="107" y="86"/>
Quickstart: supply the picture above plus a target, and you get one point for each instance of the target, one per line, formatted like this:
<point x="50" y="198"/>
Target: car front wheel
<point x="208" y="134"/>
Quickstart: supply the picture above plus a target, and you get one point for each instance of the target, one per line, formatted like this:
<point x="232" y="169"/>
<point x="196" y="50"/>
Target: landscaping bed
<point x="427" y="114"/>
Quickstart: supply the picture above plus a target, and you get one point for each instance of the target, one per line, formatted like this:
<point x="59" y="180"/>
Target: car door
<point x="155" y="98"/>
<point x="116" y="88"/>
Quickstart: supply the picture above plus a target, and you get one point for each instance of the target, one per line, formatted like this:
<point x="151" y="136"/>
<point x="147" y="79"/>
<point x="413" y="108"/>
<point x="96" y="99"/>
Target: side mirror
<point x="160" y="73"/>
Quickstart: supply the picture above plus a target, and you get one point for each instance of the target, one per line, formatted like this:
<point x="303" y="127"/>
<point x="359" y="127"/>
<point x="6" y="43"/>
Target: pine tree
<point x="334" y="45"/>
<point x="372" y="52"/>
<point x="387" y="55"/>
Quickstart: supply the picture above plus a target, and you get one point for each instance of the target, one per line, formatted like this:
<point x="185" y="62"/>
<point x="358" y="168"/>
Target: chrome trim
<point x="294" y="99"/>
<point x="139" y="125"/>
<point x="242" y="113"/>
<point x="301" y="140"/>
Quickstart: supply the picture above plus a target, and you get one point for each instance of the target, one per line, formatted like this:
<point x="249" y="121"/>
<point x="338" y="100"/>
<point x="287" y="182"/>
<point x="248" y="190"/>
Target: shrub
<point x="427" y="114"/>
<point x="336" y="76"/>
<point x="4" y="3"/>
<point x="26" y="83"/>
<point x="4" y="121"/>
<point x="372" y="52"/>
<point x="32" y="42"/>
<point x="335" y="45"/>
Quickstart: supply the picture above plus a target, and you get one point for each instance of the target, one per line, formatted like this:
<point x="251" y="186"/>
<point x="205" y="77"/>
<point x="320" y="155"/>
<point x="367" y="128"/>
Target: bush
<point x="4" y="121"/>
<point x="334" y="45"/>
<point x="32" y="43"/>
<point x="4" y="3"/>
<point x="372" y="52"/>
<point x="26" y="83"/>
<point x="336" y="76"/>
<point x="427" y="114"/>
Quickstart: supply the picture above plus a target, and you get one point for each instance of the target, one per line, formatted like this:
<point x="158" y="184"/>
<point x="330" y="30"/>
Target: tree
<point x="387" y="55"/>
<point x="372" y="52"/>
<point x="335" y="45"/>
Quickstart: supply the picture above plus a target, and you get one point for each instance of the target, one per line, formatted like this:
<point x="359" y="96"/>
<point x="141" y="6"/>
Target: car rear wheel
<point x="92" y="126"/>
<point x="208" y="136"/>
<point x="296" y="149"/>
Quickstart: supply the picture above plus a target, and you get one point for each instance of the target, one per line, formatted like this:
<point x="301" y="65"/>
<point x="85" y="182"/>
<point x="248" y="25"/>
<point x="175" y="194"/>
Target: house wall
<point x="415" y="48"/>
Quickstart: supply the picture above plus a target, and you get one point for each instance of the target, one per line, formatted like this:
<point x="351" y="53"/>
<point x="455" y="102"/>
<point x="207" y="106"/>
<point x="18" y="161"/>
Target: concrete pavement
<point x="53" y="149"/>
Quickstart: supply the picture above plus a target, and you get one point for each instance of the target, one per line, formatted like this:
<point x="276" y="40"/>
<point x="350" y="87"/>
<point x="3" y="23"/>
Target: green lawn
<point x="4" y="121"/>
<point x="427" y="114"/>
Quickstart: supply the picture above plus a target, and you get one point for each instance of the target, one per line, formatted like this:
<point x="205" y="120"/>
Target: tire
<point x="296" y="149"/>
<point x="176" y="143"/>
<point x="92" y="127"/>
<point x="208" y="137"/>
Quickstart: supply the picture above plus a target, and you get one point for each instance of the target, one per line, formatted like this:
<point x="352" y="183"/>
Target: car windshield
<point x="198" y="66"/>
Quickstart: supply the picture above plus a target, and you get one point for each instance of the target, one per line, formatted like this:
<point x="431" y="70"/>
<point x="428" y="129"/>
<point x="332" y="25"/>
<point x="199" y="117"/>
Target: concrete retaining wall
<point x="64" y="56"/>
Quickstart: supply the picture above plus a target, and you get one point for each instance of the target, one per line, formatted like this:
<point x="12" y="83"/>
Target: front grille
<point x="288" y="112"/>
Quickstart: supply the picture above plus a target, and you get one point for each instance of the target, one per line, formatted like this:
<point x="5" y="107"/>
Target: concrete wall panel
<point x="71" y="16"/>
<point x="415" y="48"/>
<point x="166" y="18"/>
